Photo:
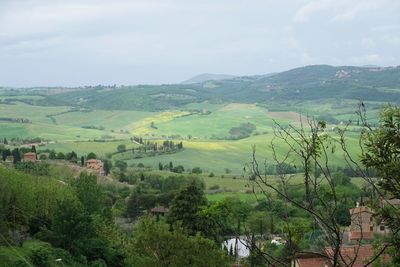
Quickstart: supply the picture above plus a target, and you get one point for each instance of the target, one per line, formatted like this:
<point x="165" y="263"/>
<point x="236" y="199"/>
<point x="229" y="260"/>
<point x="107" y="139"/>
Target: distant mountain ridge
<point x="208" y="77"/>
<point x="309" y="83"/>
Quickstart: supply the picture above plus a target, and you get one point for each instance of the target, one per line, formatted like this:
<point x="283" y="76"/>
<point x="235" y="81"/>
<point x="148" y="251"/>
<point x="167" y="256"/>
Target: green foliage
<point x="185" y="207"/>
<point x="223" y="218"/>
<point x="155" y="245"/>
<point x="139" y="202"/>
<point x="41" y="168"/>
<point x="60" y="155"/>
<point x="261" y="223"/>
<point x="197" y="170"/>
<point x="382" y="154"/>
<point x="89" y="193"/>
<point x="243" y="131"/>
<point x="16" y="155"/>
<point x="72" y="156"/>
<point x="107" y="167"/>
<point x="91" y="155"/>
<point x="178" y="169"/>
<point x="121" y="148"/>
<point x="121" y="165"/>
<point x="53" y="212"/>
<point x="305" y="83"/>
<point x="71" y="226"/>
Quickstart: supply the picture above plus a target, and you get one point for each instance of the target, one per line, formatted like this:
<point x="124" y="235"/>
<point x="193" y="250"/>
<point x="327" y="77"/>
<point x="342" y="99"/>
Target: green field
<point x="204" y="134"/>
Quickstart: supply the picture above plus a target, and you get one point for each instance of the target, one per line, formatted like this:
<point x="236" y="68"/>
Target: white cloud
<point x="342" y="10"/>
<point x="153" y="41"/>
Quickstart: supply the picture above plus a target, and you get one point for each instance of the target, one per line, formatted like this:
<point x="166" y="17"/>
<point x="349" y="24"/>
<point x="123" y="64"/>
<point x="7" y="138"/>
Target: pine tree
<point x="16" y="155"/>
<point x="231" y="251"/>
<point x="106" y="167"/>
<point x="186" y="205"/>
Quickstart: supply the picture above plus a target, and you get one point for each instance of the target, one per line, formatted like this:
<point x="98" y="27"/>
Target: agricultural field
<point x="204" y="128"/>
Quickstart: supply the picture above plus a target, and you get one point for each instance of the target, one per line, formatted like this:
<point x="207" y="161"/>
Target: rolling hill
<point x="310" y="83"/>
<point x="208" y="77"/>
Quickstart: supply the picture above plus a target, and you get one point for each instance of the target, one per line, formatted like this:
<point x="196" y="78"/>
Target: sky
<point x="127" y="42"/>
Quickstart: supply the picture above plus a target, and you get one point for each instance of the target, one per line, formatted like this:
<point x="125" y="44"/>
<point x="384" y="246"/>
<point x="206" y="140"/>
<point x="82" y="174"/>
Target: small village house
<point x="30" y="156"/>
<point x="362" y="230"/>
<point x="96" y="165"/>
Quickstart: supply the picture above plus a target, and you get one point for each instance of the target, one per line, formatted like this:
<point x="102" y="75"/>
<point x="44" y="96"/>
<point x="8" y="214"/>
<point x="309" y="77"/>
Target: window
<point x="371" y="228"/>
<point x="382" y="228"/>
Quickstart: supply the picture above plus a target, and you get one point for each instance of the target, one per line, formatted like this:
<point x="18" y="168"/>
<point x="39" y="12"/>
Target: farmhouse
<point x="363" y="227"/>
<point x="96" y="165"/>
<point x="363" y="224"/>
<point x="30" y="156"/>
<point x="159" y="210"/>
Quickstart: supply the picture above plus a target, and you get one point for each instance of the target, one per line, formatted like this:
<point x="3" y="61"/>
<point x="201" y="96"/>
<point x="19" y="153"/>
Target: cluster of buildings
<point x="356" y="250"/>
<point x="93" y="164"/>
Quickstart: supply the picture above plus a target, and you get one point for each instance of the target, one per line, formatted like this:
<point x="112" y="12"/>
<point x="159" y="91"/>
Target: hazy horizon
<point x="78" y="43"/>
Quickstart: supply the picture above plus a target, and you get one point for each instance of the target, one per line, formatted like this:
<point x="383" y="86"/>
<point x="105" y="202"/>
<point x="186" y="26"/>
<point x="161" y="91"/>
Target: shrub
<point x="197" y="170"/>
<point x="214" y="187"/>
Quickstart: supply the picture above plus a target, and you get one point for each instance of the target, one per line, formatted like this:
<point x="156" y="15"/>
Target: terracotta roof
<point x="311" y="259"/>
<point x="160" y="209"/>
<point x="364" y="254"/>
<point x="360" y="254"/>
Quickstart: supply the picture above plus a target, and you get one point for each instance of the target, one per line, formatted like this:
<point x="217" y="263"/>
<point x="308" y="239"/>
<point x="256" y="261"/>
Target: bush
<point x="121" y="148"/>
<point x="211" y="174"/>
<point x="197" y="170"/>
<point x="91" y="155"/>
<point x="178" y="169"/>
<point x="214" y="187"/>
<point x="40" y="256"/>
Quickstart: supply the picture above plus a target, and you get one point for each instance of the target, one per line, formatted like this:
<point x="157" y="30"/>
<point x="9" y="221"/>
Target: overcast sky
<point x="89" y="42"/>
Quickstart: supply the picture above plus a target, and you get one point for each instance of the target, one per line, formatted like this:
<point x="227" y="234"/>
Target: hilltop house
<point x="363" y="227"/>
<point x="30" y="156"/>
<point x="96" y="165"/>
<point x="363" y="224"/>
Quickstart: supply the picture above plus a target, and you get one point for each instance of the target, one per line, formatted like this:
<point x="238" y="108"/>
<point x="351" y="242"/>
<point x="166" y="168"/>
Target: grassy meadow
<point x="205" y="134"/>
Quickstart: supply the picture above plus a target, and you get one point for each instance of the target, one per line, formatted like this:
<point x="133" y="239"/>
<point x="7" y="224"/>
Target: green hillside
<point x="217" y="121"/>
<point x="289" y="87"/>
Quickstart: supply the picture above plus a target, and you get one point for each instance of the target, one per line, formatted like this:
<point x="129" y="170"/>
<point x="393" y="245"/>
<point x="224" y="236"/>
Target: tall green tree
<point x="186" y="205"/>
<point x="16" y="155"/>
<point x="5" y="153"/>
<point x="382" y="154"/>
<point x="107" y="167"/>
<point x="71" y="226"/>
<point x="89" y="192"/>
